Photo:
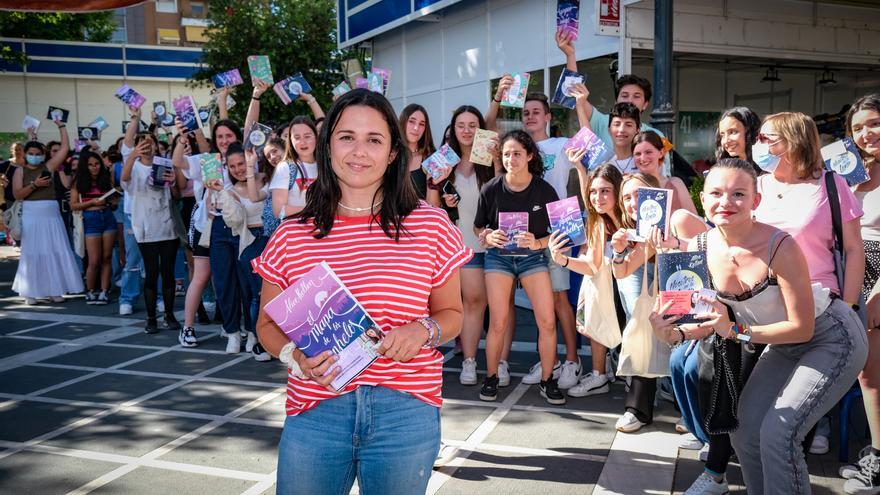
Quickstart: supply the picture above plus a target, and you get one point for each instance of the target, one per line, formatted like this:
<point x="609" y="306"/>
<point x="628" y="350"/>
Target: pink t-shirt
<point x="803" y="211"/>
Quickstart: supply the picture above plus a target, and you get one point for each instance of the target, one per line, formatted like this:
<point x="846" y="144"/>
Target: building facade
<point x="163" y="22"/>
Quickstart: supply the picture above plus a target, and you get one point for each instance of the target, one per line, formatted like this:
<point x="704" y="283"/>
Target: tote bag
<point x="596" y="316"/>
<point x="641" y="354"/>
<point x="79" y="234"/>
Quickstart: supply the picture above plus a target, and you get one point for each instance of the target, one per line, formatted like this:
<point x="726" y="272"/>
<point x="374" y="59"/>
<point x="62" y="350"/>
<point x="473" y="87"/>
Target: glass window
<point x="166" y="6"/>
<point x="197" y="9"/>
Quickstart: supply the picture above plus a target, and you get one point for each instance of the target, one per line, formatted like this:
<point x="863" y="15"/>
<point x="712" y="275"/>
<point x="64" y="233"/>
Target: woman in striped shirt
<point x="400" y="258"/>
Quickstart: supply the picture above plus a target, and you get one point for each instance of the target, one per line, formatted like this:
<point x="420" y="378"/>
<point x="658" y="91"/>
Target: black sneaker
<point x="489" y="390"/>
<point x="260" y="354"/>
<point x="187" y="337"/>
<point x="102" y="298"/>
<point x="550" y="391"/>
<point x="171" y="323"/>
<point x="867" y="480"/>
<point x="152" y="326"/>
<point x="91" y="298"/>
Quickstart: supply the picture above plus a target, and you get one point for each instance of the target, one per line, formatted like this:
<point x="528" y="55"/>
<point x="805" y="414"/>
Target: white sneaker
<point x="125" y="309"/>
<point x="468" y="374"/>
<point x="628" y="423"/>
<point x="705" y="484"/>
<point x="534" y="376"/>
<point x="820" y="445"/>
<point x="251" y="342"/>
<point x="680" y="426"/>
<point x="233" y="345"/>
<point x="160" y="306"/>
<point x="704" y="453"/>
<point x="592" y="384"/>
<point x="690" y="442"/>
<point x="503" y="374"/>
<point x="30" y="301"/>
<point x="570" y="374"/>
<point x="57" y="299"/>
<point x="446" y="454"/>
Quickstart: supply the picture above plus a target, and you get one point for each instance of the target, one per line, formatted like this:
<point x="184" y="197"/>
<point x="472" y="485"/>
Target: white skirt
<point x="47" y="267"/>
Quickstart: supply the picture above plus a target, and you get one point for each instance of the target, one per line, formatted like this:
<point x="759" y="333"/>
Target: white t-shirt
<point x="469" y="190"/>
<point x="281" y="180"/>
<point x="150" y="207"/>
<point x="556" y="164"/>
<point x="626" y="165"/>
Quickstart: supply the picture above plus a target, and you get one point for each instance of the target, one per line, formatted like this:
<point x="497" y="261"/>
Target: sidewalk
<point x="91" y="404"/>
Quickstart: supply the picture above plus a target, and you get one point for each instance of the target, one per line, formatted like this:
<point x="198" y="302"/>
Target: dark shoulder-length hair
<point x="290" y="155"/>
<point x="83" y="179"/>
<point x="536" y="163"/>
<point x="425" y="146"/>
<point x="398" y="194"/>
<point x="867" y="102"/>
<point x="229" y="124"/>
<point x="750" y="120"/>
<point x="484" y="174"/>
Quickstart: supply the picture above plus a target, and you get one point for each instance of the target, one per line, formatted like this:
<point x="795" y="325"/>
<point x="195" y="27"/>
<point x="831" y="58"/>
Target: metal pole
<point x="663" y="114"/>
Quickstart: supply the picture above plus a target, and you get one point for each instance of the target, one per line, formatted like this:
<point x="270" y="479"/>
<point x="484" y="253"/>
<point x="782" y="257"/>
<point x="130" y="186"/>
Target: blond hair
<point x="647" y="181"/>
<point x="802" y="136"/>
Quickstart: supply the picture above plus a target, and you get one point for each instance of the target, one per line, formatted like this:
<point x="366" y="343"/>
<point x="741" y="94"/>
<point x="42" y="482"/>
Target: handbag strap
<point x="834" y="202"/>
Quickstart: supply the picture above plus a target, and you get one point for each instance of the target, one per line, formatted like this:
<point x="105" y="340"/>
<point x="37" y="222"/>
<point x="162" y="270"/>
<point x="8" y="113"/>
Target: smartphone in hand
<point x="449" y="188"/>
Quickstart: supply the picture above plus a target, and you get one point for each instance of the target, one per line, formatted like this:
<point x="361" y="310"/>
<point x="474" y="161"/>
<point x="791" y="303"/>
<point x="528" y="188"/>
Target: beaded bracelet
<point x="434" y="331"/>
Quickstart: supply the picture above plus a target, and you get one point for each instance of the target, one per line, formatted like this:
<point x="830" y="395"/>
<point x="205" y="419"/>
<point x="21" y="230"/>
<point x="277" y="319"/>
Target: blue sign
<point x="359" y="20"/>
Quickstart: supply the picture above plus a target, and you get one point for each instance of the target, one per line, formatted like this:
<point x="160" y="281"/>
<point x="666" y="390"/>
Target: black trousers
<point x="159" y="258"/>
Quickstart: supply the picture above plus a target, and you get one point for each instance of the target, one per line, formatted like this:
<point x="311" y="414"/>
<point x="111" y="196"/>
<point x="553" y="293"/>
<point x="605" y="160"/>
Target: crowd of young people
<point x="768" y="232"/>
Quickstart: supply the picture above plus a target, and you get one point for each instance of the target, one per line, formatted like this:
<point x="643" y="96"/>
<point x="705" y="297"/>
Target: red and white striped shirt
<point x="391" y="280"/>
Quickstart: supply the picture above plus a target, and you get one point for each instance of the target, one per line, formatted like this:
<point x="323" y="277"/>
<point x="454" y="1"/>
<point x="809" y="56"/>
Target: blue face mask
<point x="34" y="159"/>
<point x="763" y="158"/>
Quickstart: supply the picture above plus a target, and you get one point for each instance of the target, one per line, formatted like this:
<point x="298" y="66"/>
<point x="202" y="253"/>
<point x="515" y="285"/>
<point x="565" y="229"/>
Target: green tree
<point x="296" y="35"/>
<point x="95" y="26"/>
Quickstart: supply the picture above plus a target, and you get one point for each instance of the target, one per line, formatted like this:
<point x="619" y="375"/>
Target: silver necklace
<point x="371" y="208"/>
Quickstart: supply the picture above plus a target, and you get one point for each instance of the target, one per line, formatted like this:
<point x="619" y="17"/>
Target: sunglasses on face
<point x="769" y="138"/>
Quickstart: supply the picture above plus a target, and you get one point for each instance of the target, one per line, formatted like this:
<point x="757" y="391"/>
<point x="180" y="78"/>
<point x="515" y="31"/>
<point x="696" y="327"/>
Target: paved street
<point x="90" y="404"/>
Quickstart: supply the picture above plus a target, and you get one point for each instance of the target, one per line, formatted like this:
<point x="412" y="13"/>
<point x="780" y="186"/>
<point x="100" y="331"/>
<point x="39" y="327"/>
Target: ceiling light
<point x="827" y="78"/>
<point x="772" y="75"/>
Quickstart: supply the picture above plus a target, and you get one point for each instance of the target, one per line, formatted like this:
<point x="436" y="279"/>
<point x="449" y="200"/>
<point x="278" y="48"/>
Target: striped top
<point x="391" y="280"/>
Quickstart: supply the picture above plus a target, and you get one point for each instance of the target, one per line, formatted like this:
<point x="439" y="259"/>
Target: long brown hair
<point x="647" y="181"/>
<point x="800" y="133"/>
<point x="610" y="173"/>
<point x="867" y="102"/>
<point x="425" y="146"/>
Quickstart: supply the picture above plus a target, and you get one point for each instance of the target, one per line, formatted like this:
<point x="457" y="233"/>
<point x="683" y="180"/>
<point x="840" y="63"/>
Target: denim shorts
<point x="515" y="266"/>
<point x="99" y="222"/>
<point x="478" y="261"/>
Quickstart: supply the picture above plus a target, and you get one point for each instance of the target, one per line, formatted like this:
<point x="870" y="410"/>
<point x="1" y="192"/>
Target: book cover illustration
<point x="228" y="79"/>
<point x="257" y="136"/>
<point x="259" y="67"/>
<point x="142" y="126"/>
<point x="385" y="74"/>
<point x="87" y="133"/>
<point x="291" y="87"/>
<point x="341" y="88"/>
<point x="212" y="167"/>
<point x="99" y="123"/>
<point x="439" y="161"/>
<point x="516" y="95"/>
<point x="30" y="123"/>
<point x="566" y="217"/>
<point x="562" y="96"/>
<point x="653" y="210"/>
<point x="205" y="113"/>
<point x="318" y="313"/>
<point x="185" y="108"/>
<point x="130" y="97"/>
<point x="361" y="83"/>
<point x="56" y="114"/>
<point x="160" y="109"/>
<point x="481" y="150"/>
<point x="567" y="12"/>
<point x="597" y="152"/>
<point x="513" y="223"/>
<point x="682" y="276"/>
<point x="157" y="174"/>
<point x="375" y="83"/>
<point x="843" y="158"/>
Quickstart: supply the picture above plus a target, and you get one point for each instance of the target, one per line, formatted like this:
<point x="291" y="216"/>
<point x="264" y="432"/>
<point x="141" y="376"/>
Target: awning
<point x="66" y="5"/>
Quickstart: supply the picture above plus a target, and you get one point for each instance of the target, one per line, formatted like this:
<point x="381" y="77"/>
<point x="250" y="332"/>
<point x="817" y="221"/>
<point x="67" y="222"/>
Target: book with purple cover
<point x="443" y="158"/>
<point x="130" y="97"/>
<point x="566" y="218"/>
<point x="228" y="79"/>
<point x="597" y="153"/>
<point x="513" y="223"/>
<point x="185" y="108"/>
<point x="318" y="313"/>
<point x="385" y="74"/>
<point x="361" y="83"/>
<point x="567" y="12"/>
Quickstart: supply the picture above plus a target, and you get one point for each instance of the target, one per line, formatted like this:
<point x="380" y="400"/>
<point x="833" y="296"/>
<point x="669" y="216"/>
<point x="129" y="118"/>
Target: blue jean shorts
<point x="478" y="261"/>
<point x="515" y="266"/>
<point x="99" y="222"/>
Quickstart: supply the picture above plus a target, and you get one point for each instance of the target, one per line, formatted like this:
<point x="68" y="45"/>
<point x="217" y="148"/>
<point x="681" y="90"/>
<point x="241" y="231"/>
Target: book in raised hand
<point x="257" y="136"/>
<point x="566" y="218"/>
<point x="30" y="122"/>
<point x="442" y="159"/>
<point x="562" y="96"/>
<point x="185" y="108"/>
<point x="341" y="88"/>
<point x="99" y="123"/>
<point x="682" y="277"/>
<point x="318" y="313"/>
<point x="259" y="67"/>
<point x="87" y="133"/>
<point x="567" y="12"/>
<point x="228" y="79"/>
<point x="653" y="209"/>
<point x="291" y="87"/>
<point x="130" y="97"/>
<point x="385" y="74"/>
<point x="515" y="96"/>
<point x="57" y="114"/>
<point x="597" y="152"/>
<point x="481" y="153"/>
<point x="843" y="157"/>
<point x="513" y="223"/>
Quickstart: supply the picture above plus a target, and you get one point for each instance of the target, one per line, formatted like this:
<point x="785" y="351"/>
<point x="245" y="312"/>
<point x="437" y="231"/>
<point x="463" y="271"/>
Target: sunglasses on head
<point x="769" y="138"/>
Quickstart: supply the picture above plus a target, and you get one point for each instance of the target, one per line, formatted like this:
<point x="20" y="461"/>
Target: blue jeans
<point x="385" y="438"/>
<point x="227" y="277"/>
<point x="132" y="275"/>
<point x="685" y="378"/>
<point x="253" y="283"/>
